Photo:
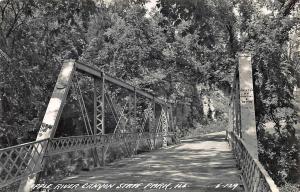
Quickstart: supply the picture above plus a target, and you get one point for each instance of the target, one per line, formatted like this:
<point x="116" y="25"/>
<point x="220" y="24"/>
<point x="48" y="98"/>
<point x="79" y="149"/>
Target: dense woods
<point x="179" y="50"/>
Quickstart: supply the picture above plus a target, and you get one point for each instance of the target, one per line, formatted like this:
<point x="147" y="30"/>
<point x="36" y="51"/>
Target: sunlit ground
<point x="200" y="162"/>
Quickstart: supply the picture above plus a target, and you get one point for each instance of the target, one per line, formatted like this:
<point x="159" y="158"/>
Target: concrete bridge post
<point x="51" y="119"/>
<point x="247" y="109"/>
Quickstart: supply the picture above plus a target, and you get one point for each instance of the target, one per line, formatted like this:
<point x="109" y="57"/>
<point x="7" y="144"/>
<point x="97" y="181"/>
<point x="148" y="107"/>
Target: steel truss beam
<point x="57" y="102"/>
<point x="99" y="74"/>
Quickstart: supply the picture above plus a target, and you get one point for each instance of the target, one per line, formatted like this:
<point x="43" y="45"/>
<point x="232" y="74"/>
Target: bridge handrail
<point x="15" y="161"/>
<point x="255" y="177"/>
<point x="74" y="143"/>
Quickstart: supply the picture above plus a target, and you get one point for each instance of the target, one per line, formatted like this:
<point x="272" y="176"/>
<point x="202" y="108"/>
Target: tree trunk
<point x="212" y="109"/>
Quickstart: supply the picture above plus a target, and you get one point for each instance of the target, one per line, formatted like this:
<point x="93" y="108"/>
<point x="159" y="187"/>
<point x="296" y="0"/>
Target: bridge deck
<point x="200" y="162"/>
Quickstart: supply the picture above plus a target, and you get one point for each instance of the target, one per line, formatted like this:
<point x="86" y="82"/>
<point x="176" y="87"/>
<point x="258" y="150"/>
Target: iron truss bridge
<point x="123" y="117"/>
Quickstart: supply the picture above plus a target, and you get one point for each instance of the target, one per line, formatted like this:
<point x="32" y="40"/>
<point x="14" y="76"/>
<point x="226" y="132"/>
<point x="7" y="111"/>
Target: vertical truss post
<point x="135" y="122"/>
<point x="103" y="104"/>
<point x="99" y="109"/>
<point x="135" y="110"/>
<point x="153" y="123"/>
<point x="131" y="115"/>
<point x="175" y="117"/>
<point x="51" y="118"/>
<point x="99" y="104"/>
<point x="237" y="102"/>
<point x="153" y="128"/>
<point x="154" y="115"/>
<point x="234" y="112"/>
<point x="103" y="117"/>
<point x="171" y="118"/>
<point x="95" y="105"/>
<point x="183" y="118"/>
<point x="230" y="124"/>
<point x="164" y="124"/>
<point x="171" y="127"/>
<point x="94" y="151"/>
<point x="128" y="120"/>
<point x="231" y="110"/>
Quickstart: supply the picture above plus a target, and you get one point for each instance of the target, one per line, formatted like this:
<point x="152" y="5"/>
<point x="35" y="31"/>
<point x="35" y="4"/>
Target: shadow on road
<point x="200" y="162"/>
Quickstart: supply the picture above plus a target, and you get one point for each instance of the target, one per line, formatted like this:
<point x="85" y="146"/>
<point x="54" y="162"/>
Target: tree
<point x="36" y="36"/>
<point x="266" y="36"/>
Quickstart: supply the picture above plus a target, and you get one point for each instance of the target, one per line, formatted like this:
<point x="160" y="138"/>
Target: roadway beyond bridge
<point x="203" y="163"/>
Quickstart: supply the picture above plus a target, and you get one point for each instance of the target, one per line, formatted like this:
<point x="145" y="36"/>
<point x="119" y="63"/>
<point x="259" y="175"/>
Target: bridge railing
<point x="18" y="162"/>
<point x="67" y="144"/>
<point x="254" y="175"/>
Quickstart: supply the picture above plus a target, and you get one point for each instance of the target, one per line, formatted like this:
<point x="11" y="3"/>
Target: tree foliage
<point x="181" y="46"/>
<point x="35" y="36"/>
<point x="266" y="35"/>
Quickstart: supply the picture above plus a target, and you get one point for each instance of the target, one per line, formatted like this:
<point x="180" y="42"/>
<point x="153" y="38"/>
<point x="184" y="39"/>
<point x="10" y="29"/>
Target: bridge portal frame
<point x="56" y="105"/>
